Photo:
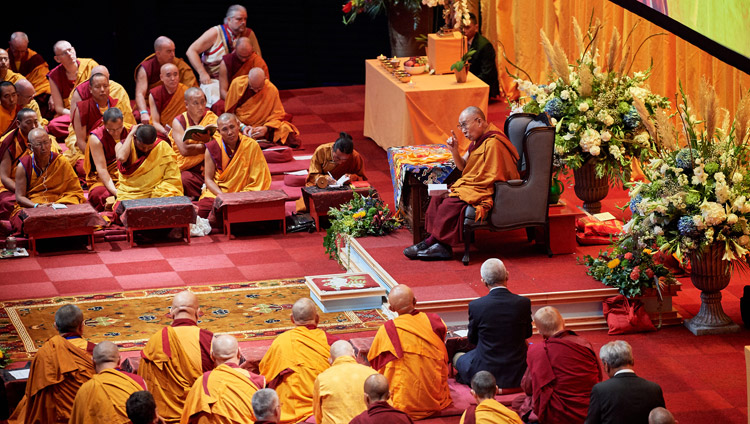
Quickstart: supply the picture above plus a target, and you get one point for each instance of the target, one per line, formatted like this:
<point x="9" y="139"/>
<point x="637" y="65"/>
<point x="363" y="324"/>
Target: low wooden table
<point x="155" y="213"/>
<point x="562" y="228"/>
<point x="47" y="222"/>
<point x="319" y="200"/>
<point x="251" y="206"/>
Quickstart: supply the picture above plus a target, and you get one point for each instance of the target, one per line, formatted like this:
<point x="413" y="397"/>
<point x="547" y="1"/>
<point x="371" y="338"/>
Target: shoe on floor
<point x="411" y="251"/>
<point x="436" y="252"/>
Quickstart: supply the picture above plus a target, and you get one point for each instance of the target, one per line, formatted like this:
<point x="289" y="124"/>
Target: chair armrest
<point x="515" y="183"/>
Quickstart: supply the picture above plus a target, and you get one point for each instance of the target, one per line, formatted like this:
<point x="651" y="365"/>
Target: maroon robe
<point x="8" y="198"/>
<point x="381" y="412"/>
<point x="99" y="194"/>
<point x="57" y="75"/>
<point x="90" y="115"/>
<point x="153" y="70"/>
<point x="233" y="64"/>
<point x="26" y="66"/>
<point x="162" y="97"/>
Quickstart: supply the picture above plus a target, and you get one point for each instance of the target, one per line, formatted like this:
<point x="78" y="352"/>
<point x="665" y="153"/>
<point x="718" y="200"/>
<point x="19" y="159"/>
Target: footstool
<point x="155" y="213"/>
<point x="47" y="222"/>
<point x="251" y="206"/>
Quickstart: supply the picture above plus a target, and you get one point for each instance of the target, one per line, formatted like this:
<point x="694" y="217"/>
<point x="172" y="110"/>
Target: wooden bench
<point x="47" y="222"/>
<point x="155" y="213"/>
<point x="251" y="206"/>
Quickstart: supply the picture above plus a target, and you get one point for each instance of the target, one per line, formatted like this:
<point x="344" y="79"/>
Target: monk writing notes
<point x="338" y="394"/>
<point x="141" y="408"/>
<point x="223" y="394"/>
<point x="147" y="166"/>
<point x="28" y="63"/>
<point x="487" y="410"/>
<point x="266" y="407"/>
<point x="294" y="361"/>
<point x="102" y="399"/>
<point x="100" y="161"/>
<point x="256" y="102"/>
<point x="166" y="101"/>
<point x="61" y="366"/>
<point x="8" y="106"/>
<point x="378" y="409"/>
<point x="239" y="63"/>
<point x="176" y="356"/>
<point x="410" y="351"/>
<point x="491" y="157"/>
<point x="71" y="72"/>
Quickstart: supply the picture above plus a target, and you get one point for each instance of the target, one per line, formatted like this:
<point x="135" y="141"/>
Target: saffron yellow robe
<point x="37" y="76"/>
<point x="262" y="108"/>
<point x="12" y="76"/>
<point x="157" y="176"/>
<point x="338" y="395"/>
<point x="222" y="396"/>
<point x="102" y="399"/>
<point x="291" y="365"/>
<point x="490" y="411"/>
<point x="187" y="76"/>
<point x="84" y="73"/>
<point x="33" y="105"/>
<point x="18" y="145"/>
<point x="174" y="107"/>
<point x="7" y="118"/>
<point x="247" y="170"/>
<point x="57" y="184"/>
<point x="189" y="162"/>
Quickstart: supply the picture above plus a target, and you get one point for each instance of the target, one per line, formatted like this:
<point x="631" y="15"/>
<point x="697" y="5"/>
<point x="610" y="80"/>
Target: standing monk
<point x="176" y="356"/>
<point x="167" y="101"/>
<point x="58" y="370"/>
<point x="295" y="359"/>
<point x="410" y="351"/>
<point x="239" y="63"/>
<point x="102" y="399"/>
<point x="28" y="63"/>
<point x="63" y="78"/>
<point x="8" y="106"/>
<point x="100" y="164"/>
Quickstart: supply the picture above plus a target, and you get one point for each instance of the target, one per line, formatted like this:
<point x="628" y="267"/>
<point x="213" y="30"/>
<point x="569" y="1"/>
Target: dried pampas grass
<point x="708" y="107"/>
<point x="587" y="79"/>
<point x="614" y="50"/>
<point x="665" y="129"/>
<point x="558" y="62"/>
<point x="579" y="38"/>
<point x="741" y="119"/>
<point x="624" y="61"/>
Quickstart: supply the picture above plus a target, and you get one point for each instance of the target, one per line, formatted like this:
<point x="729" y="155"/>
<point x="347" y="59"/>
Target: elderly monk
<point x="100" y="160"/>
<point x="26" y="99"/>
<point x="147" y="166"/>
<point x="5" y="73"/>
<point x="488" y="410"/>
<point x="176" y="356"/>
<point x="239" y="63"/>
<point x="491" y="157"/>
<point x="43" y="178"/>
<point x="28" y="63"/>
<point x="223" y="394"/>
<point x="167" y="101"/>
<point x="148" y="75"/>
<point x="266" y="407"/>
<point x="58" y="370"/>
<point x="9" y="106"/>
<point x="295" y="359"/>
<point x="63" y="78"/>
<point x="102" y="399"/>
<point x="561" y="372"/>
<point x="378" y="409"/>
<point x="338" y="394"/>
<point x="256" y="102"/>
<point x="206" y="53"/>
<point x="141" y="408"/>
<point x="234" y="163"/>
<point x="410" y="351"/>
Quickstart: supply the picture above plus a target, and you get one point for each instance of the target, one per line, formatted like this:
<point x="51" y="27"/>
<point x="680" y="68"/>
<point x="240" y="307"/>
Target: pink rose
<point x="635" y="274"/>
<point x="650" y="273"/>
<point x="628" y="256"/>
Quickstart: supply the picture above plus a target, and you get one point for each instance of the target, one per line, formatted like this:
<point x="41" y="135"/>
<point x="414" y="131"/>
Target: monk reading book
<point x="69" y="74"/>
<point x="100" y="164"/>
<point x="166" y="101"/>
<point x="29" y="63"/>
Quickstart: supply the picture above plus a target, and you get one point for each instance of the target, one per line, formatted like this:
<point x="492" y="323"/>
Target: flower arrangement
<point x="628" y="269"/>
<point x="362" y="216"/>
<point x="4" y="357"/>
<point x="591" y="105"/>
<point x="456" y="11"/>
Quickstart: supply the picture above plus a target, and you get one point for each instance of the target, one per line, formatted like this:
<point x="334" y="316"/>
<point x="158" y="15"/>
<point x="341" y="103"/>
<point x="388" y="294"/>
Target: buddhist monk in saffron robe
<point x="239" y="63"/>
<point x="167" y="101"/>
<point x="190" y="152"/>
<point x="147" y="166"/>
<point x="100" y="160"/>
<point x="102" y="399"/>
<point x="410" y="351"/>
<point x="266" y="407"/>
<point x="223" y="395"/>
<point x="491" y="157"/>
<point x="257" y="104"/>
<point x="8" y="106"/>
<point x="58" y="370"/>
<point x="234" y="163"/>
<point x="26" y="100"/>
<point x="488" y="410"/>
<point x="295" y="359"/>
<point x="28" y="63"/>
<point x="63" y="78"/>
<point x="378" y="409"/>
<point x="5" y="73"/>
<point x="176" y="356"/>
<point x="43" y="178"/>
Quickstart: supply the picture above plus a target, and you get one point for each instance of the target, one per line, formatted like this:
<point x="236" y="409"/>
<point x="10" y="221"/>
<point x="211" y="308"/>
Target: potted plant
<point x="461" y="67"/>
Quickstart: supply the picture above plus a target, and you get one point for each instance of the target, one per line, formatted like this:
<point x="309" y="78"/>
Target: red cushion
<point x="278" y="154"/>
<point x="295" y="180"/>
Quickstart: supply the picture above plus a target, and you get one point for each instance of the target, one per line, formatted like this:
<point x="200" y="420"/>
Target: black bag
<point x="300" y="222"/>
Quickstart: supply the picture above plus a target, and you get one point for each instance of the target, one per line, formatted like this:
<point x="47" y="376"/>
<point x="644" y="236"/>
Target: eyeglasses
<point x="464" y="125"/>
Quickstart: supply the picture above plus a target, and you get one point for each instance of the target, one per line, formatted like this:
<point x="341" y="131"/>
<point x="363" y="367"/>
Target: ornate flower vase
<point x="462" y="74"/>
<point x="710" y="274"/>
<point x="590" y="188"/>
<point x="556" y="189"/>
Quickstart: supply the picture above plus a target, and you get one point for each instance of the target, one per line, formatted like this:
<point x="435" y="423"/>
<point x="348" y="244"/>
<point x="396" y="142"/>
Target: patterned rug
<point x="249" y="311"/>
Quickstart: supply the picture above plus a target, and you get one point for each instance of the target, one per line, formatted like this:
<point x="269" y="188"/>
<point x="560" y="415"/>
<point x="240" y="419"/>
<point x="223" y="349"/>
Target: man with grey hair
<point x="624" y="398"/>
<point x="266" y="407"/>
<point x="499" y="324"/>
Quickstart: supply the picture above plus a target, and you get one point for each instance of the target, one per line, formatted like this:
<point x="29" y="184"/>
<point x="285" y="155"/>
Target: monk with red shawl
<point x="28" y="63"/>
<point x="487" y="410"/>
<point x="100" y="159"/>
<point x="378" y="409"/>
<point x="167" y="101"/>
<point x="239" y="63"/>
<point x="63" y="78"/>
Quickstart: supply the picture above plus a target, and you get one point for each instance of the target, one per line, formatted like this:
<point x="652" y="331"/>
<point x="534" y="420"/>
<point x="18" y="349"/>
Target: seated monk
<point x="148" y="75"/>
<point x="167" y="101"/>
<point x="43" y="178"/>
<point x="239" y="63"/>
<point x="26" y="100"/>
<point x="410" y="351"/>
<point x="176" y="356"/>
<point x="59" y="368"/>
<point x="29" y="63"/>
<point x="266" y="407"/>
<point x="5" y="73"/>
<point x="234" y="163"/>
<point x="256" y="102"/>
<point x="491" y="157"/>
<point x="102" y="399"/>
<point x="8" y="106"/>
<point x="295" y="359"/>
<point x="147" y="166"/>
<point x="190" y="152"/>
<point x="116" y="91"/>
<point x="63" y="78"/>
<point x="378" y="409"/>
<point x="223" y="395"/>
<point x="100" y="160"/>
<point x="488" y="410"/>
<point x="141" y="408"/>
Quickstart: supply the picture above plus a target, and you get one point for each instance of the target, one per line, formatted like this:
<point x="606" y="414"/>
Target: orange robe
<point x="237" y="68"/>
<point x="108" y="146"/>
<point x="33" y="67"/>
<point x="338" y="395"/>
<point x="246" y="170"/>
<point x="410" y="351"/>
<point x="58" y="370"/>
<point x="154" y="175"/>
<point x="222" y="396"/>
<point x="490" y="411"/>
<point x="261" y="108"/>
<point x="12" y="76"/>
<point x="153" y="72"/>
<point x="322" y="163"/>
<point x="57" y="184"/>
<point x="102" y="399"/>
<point x="171" y="362"/>
<point x="169" y="105"/>
<point x="8" y="119"/>
<point x="189" y="162"/>
<point x="292" y="364"/>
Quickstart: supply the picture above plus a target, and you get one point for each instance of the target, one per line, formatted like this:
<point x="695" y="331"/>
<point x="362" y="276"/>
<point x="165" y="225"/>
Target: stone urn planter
<point x="710" y="274"/>
<point x="590" y="188"/>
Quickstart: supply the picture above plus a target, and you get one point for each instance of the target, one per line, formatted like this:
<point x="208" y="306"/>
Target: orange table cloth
<point x="399" y="114"/>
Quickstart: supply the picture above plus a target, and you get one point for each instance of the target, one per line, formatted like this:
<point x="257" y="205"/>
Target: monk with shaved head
<point x="28" y="63"/>
<point x="223" y="394"/>
<point x="102" y="399"/>
<point x="166" y="101"/>
<point x="176" y="356"/>
<point x="9" y="106"/>
<point x="5" y="73"/>
<point x="295" y="359"/>
<point x="409" y="351"/>
<point x="378" y="409"/>
<point x="239" y="63"/>
<point x="26" y="99"/>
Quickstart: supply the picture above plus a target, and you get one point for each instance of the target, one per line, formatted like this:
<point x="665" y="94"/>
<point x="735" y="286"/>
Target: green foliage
<point x="628" y="269"/>
<point x="459" y="65"/>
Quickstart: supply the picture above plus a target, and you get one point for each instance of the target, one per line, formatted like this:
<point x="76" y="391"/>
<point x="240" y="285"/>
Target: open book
<point x="200" y="133"/>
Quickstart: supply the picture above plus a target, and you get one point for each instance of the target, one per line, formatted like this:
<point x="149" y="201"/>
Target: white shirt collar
<point x="498" y="287"/>
<point x="626" y="370"/>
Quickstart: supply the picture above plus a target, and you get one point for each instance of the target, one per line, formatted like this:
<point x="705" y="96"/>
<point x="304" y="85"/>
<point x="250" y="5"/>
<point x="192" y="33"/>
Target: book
<point x="437" y="189"/>
<point x="604" y="216"/>
<point x="200" y="133"/>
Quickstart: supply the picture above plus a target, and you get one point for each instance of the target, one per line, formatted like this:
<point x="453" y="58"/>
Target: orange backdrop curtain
<point x="515" y="24"/>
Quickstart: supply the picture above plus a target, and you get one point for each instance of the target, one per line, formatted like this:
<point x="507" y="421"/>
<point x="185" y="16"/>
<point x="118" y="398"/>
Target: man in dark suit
<point x="483" y="63"/>
<point x="499" y="325"/>
<point x="625" y="397"/>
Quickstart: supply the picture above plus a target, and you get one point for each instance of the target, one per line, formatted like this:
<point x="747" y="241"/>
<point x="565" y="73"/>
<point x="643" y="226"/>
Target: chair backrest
<point x="515" y="129"/>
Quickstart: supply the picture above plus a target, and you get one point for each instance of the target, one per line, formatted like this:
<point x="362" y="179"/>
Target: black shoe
<point x="436" y="252"/>
<point x="411" y="251"/>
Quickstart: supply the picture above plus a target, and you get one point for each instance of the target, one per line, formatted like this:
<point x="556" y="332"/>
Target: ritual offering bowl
<point x="404" y="77"/>
<point x="395" y="62"/>
<point x="415" y="70"/>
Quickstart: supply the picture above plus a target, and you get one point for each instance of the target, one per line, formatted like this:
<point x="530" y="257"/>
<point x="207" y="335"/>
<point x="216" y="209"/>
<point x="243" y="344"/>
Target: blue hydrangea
<point x="683" y="158"/>
<point x="687" y="226"/>
<point x="634" y="203"/>
<point x="555" y="108"/>
<point x="631" y="119"/>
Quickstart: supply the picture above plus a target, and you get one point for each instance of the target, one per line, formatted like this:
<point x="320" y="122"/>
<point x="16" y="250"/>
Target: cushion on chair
<point x="279" y="154"/>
